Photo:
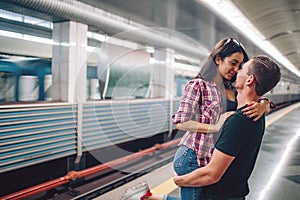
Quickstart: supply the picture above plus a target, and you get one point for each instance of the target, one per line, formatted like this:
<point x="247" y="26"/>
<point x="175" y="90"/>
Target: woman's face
<point x="230" y="65"/>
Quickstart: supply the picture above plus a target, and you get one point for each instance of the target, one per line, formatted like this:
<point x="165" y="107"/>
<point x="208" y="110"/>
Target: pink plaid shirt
<point x="200" y="102"/>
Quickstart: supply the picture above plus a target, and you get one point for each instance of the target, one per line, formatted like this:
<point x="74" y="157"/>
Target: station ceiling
<point x="277" y="20"/>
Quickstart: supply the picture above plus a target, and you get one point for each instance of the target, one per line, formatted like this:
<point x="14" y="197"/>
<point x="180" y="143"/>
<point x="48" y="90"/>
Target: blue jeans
<point x="185" y="161"/>
<point x="216" y="197"/>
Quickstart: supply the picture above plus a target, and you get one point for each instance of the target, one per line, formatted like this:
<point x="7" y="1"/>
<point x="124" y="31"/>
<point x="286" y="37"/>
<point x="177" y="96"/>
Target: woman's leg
<point x="205" y="196"/>
<point x="185" y="161"/>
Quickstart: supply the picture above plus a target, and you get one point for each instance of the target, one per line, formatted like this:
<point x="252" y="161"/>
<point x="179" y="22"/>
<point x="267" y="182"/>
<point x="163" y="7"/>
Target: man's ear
<point x="250" y="80"/>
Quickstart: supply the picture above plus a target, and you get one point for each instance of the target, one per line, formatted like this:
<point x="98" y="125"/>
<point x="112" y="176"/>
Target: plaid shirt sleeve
<point x="188" y="103"/>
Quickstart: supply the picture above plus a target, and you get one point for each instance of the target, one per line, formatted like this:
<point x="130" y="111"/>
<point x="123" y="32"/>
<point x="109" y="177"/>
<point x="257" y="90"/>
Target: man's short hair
<point x="266" y="73"/>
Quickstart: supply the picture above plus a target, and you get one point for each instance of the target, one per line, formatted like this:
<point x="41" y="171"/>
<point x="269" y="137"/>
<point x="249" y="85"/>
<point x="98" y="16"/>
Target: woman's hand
<point x="255" y="109"/>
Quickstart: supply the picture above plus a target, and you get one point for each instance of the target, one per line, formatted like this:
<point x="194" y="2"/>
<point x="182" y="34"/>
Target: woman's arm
<point x="195" y="126"/>
<point x="256" y="109"/>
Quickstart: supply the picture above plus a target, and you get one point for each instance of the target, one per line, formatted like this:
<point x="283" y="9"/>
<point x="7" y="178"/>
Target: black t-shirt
<point x="240" y="137"/>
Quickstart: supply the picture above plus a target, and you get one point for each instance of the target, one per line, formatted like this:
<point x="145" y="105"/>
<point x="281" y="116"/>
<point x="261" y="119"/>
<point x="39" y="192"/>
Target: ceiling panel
<point x="286" y="43"/>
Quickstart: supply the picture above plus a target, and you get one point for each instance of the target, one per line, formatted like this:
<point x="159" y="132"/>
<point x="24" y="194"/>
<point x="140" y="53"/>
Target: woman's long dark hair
<point x="223" y="49"/>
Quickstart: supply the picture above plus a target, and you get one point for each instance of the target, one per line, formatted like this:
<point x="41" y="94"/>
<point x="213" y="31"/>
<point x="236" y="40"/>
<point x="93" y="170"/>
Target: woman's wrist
<point x="265" y="99"/>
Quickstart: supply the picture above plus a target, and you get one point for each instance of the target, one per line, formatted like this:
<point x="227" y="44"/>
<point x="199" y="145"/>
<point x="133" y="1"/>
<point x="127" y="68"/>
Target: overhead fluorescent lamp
<point x="25" y="37"/>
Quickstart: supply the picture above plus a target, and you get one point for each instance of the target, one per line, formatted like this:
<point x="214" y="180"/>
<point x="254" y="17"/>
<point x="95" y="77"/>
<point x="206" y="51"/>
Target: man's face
<point x="242" y="76"/>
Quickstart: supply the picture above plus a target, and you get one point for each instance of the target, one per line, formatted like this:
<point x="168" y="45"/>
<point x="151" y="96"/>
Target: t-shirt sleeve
<point x="232" y="138"/>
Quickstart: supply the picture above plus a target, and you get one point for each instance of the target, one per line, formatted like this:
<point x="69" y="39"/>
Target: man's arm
<point x="207" y="175"/>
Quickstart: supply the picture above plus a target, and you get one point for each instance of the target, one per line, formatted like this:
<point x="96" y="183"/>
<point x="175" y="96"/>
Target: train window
<point x="129" y="74"/>
<point x="28" y="88"/>
<point x="7" y="86"/>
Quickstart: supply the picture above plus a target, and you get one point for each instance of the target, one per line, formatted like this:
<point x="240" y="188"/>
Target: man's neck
<point x="245" y="97"/>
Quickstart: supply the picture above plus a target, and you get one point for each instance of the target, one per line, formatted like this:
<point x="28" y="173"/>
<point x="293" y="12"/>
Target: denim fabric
<point x="216" y="197"/>
<point x="185" y="161"/>
<point x="171" y="198"/>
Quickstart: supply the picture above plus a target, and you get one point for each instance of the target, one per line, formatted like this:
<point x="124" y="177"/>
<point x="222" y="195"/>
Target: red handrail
<point x="72" y="175"/>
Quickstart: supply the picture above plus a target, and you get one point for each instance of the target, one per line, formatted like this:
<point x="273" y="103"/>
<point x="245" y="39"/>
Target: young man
<point x="233" y="160"/>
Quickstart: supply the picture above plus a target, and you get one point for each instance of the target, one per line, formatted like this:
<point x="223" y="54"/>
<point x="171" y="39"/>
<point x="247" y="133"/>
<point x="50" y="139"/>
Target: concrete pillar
<point x="69" y="66"/>
<point x="163" y="74"/>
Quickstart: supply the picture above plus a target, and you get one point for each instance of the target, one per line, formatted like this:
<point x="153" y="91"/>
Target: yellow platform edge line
<point x="286" y="111"/>
<point x="169" y="186"/>
<point x="165" y="188"/>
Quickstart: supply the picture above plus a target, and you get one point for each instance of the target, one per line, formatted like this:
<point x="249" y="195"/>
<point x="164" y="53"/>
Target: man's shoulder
<point x="236" y="117"/>
<point x="241" y="121"/>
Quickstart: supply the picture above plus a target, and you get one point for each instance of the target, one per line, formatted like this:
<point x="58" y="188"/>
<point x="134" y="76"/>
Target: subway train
<point x="41" y="139"/>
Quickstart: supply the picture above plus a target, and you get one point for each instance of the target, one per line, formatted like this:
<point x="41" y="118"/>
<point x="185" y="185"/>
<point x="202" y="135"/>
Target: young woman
<point x="201" y="106"/>
<point x="205" y="98"/>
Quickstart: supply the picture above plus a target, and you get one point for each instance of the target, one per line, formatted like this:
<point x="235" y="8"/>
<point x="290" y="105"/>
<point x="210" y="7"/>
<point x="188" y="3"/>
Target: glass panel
<point x="7" y="86"/>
